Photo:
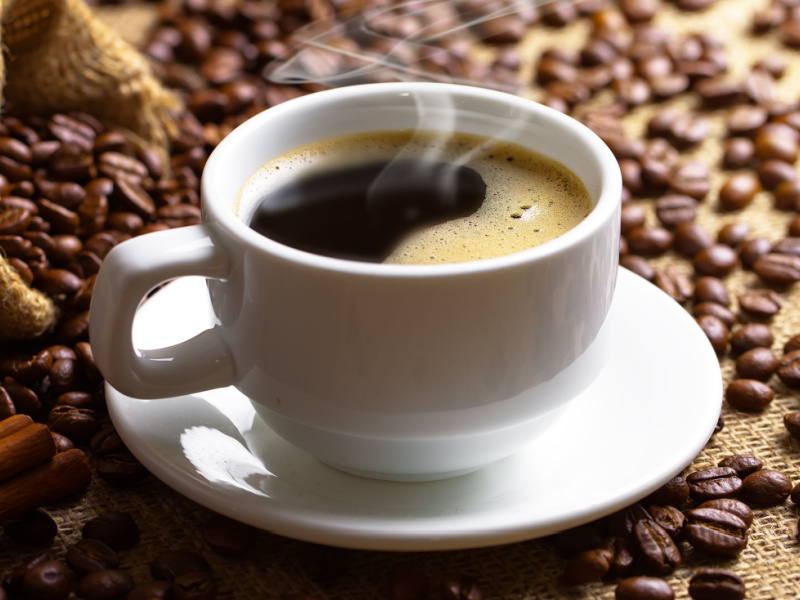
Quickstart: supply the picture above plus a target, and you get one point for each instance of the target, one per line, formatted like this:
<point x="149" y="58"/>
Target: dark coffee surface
<point x="361" y="212"/>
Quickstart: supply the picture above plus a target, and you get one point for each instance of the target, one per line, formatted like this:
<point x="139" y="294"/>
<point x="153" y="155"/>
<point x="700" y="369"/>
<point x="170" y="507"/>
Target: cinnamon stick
<point x="64" y="474"/>
<point x="13" y="424"/>
<point x="25" y="449"/>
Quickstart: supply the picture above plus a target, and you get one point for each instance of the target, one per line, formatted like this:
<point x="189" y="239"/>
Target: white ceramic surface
<point x="399" y="371"/>
<point x="643" y="420"/>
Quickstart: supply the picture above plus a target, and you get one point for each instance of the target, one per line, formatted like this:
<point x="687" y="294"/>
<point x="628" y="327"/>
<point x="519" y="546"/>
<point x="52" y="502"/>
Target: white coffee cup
<point x="392" y="371"/>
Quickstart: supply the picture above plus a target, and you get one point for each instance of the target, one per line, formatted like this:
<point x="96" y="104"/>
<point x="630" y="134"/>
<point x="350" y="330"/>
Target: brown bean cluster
<point x="708" y="511"/>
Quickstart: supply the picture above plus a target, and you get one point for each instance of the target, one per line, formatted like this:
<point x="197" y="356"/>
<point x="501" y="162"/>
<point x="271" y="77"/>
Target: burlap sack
<point x="59" y="57"/>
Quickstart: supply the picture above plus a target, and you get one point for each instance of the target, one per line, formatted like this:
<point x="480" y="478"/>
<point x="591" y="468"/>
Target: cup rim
<point x="216" y="214"/>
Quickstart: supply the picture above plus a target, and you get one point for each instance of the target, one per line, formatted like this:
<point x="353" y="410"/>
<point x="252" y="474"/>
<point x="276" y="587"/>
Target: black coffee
<point x="362" y="212"/>
<point x="413" y="197"/>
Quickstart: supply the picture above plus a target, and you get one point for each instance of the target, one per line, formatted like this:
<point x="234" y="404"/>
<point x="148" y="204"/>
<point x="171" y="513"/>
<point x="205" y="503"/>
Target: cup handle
<point x="128" y="273"/>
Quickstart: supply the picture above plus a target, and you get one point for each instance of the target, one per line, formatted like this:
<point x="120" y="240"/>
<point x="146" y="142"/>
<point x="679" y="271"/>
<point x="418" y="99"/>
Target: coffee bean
<point x="589" y="565"/>
<point x="638" y="265"/>
<point x="760" y="303"/>
<point x="105" y="585"/>
<point x="758" y="363"/>
<point x="114" y="528"/>
<point x="752" y="249"/>
<point x="749" y="394"/>
<point x="771" y="173"/>
<point x="715" y="532"/>
<point x="674" y="492"/>
<point x="171" y="563"/>
<point x="745" y="119"/>
<point x="34" y="529"/>
<point x="716" y="331"/>
<point x="691" y="178"/>
<point x="738" y="153"/>
<point x="643" y="587"/>
<point x="455" y="586"/>
<point x="675" y="283"/>
<point x="582" y="537"/>
<point x="649" y="241"/>
<point x="733" y="506"/>
<point x="779" y="142"/>
<point x="743" y="464"/>
<point x="690" y="239"/>
<point x="716" y="310"/>
<point x="622" y="557"/>
<point x="766" y="487"/>
<point x="407" y="581"/>
<point x="751" y="335"/>
<point x="711" y="584"/>
<point x="674" y="209"/>
<point x="789" y="369"/>
<point x="121" y="468"/>
<point x="90" y="556"/>
<point x="791" y="421"/>
<point x="733" y="234"/>
<point x="228" y="537"/>
<point x="659" y="553"/>
<point x="717" y="260"/>
<point x="47" y="580"/>
<point x="78" y="424"/>
<point x="792" y="344"/>
<point x="152" y="590"/>
<point x="711" y="289"/>
<point x="669" y="518"/>
<point x="714" y="482"/>
<point x="786" y="195"/>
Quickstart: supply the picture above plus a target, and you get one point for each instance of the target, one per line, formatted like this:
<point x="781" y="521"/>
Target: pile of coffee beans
<point x="71" y="188"/>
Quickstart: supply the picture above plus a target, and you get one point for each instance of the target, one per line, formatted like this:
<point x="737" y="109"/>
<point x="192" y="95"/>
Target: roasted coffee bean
<point x="669" y="518"/>
<point x="114" y="528"/>
<point x="733" y="506"/>
<point x="675" y="283"/>
<point x="47" y="580"/>
<point x="638" y="265"/>
<point x="649" y="241"/>
<point x="758" y="363"/>
<point x="714" y="584"/>
<point x="121" y="468"/>
<point x="711" y="289"/>
<point x="738" y="153"/>
<point x="716" y="260"/>
<point x="674" y="209"/>
<point x="34" y="529"/>
<point x="105" y="585"/>
<point x="789" y="369"/>
<point x="690" y="239"/>
<point x="455" y="586"/>
<point x="194" y="586"/>
<point x="107" y="441"/>
<point x="733" y="234"/>
<point x="659" y="553"/>
<point x="621" y="524"/>
<point x="749" y="394"/>
<point x="714" y="482"/>
<point x="62" y="442"/>
<point x="152" y="590"/>
<point x="715" y="532"/>
<point x="622" y="555"/>
<point x="787" y="195"/>
<point x="760" y="303"/>
<point x="690" y="178"/>
<point x="89" y="556"/>
<point x="589" y="565"/>
<point x="771" y="173"/>
<point x="743" y="464"/>
<point x="745" y="119"/>
<point x="643" y="587"/>
<point x="25" y="399"/>
<point x="751" y="335"/>
<point x="228" y="537"/>
<point x="78" y="424"/>
<point x="778" y="142"/>
<point x="791" y="421"/>
<point x="766" y="487"/>
<point x="631" y="217"/>
<point x="673" y="493"/>
<point x="752" y="249"/>
<point x="738" y="191"/>
<point x="718" y="310"/>
<point x="778" y="269"/>
<point x="407" y="581"/>
<point x="716" y="331"/>
<point x="717" y="91"/>
<point x="168" y="565"/>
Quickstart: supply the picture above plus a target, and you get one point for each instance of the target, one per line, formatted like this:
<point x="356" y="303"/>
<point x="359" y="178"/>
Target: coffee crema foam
<point x="530" y="198"/>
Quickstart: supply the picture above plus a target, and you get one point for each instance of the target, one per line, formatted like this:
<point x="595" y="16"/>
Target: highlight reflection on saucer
<point x="212" y="448"/>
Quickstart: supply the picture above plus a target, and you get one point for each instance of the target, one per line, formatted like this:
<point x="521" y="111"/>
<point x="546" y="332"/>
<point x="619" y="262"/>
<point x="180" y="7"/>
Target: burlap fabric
<point x="770" y="565"/>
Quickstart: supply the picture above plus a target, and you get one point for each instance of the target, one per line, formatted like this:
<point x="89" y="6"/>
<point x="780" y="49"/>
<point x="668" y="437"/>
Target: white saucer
<point x="646" y="418"/>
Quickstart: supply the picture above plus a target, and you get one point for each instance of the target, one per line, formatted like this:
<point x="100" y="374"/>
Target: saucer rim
<point x="415" y="533"/>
